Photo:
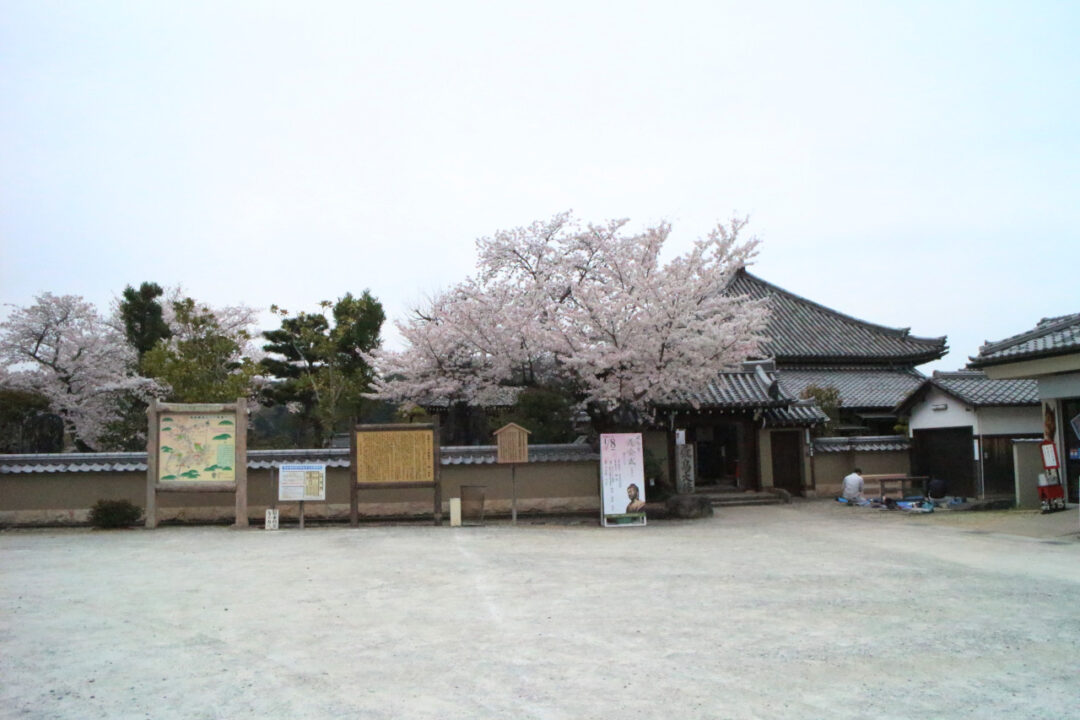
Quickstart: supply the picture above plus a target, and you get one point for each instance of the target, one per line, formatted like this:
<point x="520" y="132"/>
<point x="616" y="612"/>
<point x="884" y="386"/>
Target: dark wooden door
<point x="998" y="473"/>
<point x="787" y="460"/>
<point x="949" y="454"/>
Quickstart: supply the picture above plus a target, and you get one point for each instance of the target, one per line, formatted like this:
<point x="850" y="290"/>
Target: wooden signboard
<point x="512" y="448"/>
<point x="513" y="444"/>
<point x="394" y="456"/>
<point x="197" y="448"/>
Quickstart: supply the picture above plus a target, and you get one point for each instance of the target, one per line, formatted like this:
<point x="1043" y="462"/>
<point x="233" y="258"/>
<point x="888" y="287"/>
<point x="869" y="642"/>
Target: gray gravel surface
<point x="804" y="611"/>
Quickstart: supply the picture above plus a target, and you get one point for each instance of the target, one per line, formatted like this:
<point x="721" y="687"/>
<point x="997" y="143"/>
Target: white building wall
<point x="1009" y="421"/>
<point x="954" y="414"/>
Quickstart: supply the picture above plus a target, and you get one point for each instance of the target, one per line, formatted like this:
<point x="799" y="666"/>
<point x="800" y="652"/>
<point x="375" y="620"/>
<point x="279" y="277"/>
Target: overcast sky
<point x="911" y="164"/>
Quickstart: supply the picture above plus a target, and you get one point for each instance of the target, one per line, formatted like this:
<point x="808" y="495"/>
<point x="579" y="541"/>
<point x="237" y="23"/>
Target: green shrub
<point x="114" y="514"/>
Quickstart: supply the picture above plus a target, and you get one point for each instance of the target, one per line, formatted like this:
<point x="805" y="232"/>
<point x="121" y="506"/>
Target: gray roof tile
<point x="801" y="414"/>
<point x="751" y="387"/>
<point x="860" y="388"/>
<point x="801" y="330"/>
<point x="265" y="459"/>
<point x="1052" y="336"/>
<point x="974" y="388"/>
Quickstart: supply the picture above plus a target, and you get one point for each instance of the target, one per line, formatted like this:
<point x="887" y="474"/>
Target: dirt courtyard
<point x="803" y="611"/>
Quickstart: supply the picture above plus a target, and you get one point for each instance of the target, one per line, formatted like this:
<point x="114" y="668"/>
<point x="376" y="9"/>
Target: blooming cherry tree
<point x="587" y="306"/>
<point x="63" y="349"/>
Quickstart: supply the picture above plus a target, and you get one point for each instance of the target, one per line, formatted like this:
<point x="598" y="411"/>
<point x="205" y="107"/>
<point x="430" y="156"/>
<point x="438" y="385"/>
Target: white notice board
<point x="302" y="482"/>
<point x="622" y="480"/>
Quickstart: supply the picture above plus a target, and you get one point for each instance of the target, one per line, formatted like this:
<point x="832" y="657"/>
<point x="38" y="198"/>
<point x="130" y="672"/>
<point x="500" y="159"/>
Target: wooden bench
<point x="881" y="479"/>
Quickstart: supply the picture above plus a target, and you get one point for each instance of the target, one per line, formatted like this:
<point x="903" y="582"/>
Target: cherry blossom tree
<point x="590" y="307"/>
<point x="61" y="348"/>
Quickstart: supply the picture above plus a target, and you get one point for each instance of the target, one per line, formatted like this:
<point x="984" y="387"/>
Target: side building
<point x="1049" y="353"/>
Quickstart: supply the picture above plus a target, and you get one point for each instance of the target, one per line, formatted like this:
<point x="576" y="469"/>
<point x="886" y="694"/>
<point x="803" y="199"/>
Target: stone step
<point x="740" y="498"/>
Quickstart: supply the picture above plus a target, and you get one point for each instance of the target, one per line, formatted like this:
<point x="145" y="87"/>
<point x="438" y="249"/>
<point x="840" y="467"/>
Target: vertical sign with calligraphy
<point x="395" y="456"/>
<point x="622" y="480"/>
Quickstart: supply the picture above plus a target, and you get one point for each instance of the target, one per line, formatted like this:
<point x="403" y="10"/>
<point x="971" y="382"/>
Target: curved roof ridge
<point x="904" y="333"/>
<point x="961" y="373"/>
<point x="864" y="367"/>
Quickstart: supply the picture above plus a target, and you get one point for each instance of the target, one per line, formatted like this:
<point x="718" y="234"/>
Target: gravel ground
<point x="804" y="611"/>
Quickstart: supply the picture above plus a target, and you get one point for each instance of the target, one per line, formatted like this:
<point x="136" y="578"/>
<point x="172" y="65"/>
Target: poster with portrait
<point x="622" y="480"/>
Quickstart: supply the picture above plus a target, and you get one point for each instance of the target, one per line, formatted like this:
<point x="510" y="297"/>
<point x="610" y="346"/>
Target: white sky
<point x="912" y="164"/>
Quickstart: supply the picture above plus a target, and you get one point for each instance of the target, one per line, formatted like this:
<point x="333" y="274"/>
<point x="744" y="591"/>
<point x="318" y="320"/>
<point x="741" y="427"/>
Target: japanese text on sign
<point x="302" y="482"/>
<point x="622" y="474"/>
<point x="395" y="456"/>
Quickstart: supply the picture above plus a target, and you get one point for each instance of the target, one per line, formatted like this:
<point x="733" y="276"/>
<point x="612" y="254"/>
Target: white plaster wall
<point x="1009" y="420"/>
<point x="955" y="414"/>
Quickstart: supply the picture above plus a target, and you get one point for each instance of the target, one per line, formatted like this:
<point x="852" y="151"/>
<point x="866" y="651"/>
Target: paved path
<point x="805" y="611"/>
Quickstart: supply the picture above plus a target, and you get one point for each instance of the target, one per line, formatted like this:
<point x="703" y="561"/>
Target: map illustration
<point x="199" y="447"/>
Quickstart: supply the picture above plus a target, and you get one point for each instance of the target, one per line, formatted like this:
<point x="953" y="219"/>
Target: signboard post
<point x="622" y="480"/>
<point x="302" y="483"/>
<point x="512" y="448"/>
<point x="394" y="456"/>
<point x="196" y="448"/>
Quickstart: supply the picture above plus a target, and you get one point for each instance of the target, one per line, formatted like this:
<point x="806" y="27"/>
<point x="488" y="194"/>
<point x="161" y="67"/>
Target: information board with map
<point x="197" y="447"/>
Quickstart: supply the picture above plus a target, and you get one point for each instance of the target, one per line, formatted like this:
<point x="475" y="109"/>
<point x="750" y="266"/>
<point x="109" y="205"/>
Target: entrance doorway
<point x="947" y="453"/>
<point x="787" y="463"/>
<point x="717" y="454"/>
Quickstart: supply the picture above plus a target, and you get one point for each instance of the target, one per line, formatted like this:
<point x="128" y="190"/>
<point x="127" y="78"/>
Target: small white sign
<point x="272" y="519"/>
<point x="302" y="482"/>
<point x="680" y="437"/>
<point x="1050" y="457"/>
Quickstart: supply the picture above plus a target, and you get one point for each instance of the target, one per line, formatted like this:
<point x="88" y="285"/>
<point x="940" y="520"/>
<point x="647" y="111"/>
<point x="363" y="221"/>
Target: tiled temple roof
<point x="802" y="331"/>
<point x="754" y="386"/>
<point x="860" y="388"/>
<point x="800" y="414"/>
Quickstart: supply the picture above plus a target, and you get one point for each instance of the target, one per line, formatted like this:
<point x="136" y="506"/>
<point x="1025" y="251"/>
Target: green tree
<point x="203" y="361"/>
<point x="546" y="413"/>
<point x="828" y="400"/>
<point x="143" y="318"/>
<point x="317" y="361"/>
<point x="27" y="425"/>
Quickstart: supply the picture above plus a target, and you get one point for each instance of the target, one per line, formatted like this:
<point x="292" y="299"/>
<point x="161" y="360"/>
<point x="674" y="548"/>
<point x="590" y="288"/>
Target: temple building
<point x="750" y="428"/>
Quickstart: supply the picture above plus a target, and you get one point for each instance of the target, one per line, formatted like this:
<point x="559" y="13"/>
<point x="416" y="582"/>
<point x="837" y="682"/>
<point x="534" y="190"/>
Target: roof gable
<point x="801" y="330"/>
<point x="974" y="388"/>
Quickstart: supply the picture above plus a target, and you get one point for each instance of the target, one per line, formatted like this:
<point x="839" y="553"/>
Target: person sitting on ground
<point x="853" y="488"/>
<point x="935" y="489"/>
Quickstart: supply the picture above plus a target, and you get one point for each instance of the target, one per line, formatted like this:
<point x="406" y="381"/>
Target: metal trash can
<point x="472" y="504"/>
